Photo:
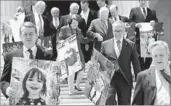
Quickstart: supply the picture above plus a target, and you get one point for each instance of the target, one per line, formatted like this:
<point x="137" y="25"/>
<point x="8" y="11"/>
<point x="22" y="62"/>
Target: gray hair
<point x="161" y="44"/>
<point x="113" y="6"/>
<point x="103" y="9"/>
<point x="73" y="5"/>
<point x="40" y="3"/>
<point x="54" y="9"/>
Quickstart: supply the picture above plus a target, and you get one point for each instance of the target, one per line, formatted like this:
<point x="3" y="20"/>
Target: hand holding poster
<point x="68" y="56"/>
<point x="99" y="76"/>
<point x="35" y="82"/>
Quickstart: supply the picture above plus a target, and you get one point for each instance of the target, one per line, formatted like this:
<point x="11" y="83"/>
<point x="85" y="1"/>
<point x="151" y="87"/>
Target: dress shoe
<point x="77" y="88"/>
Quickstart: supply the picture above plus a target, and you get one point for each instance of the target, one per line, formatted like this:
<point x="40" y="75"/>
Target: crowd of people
<point x="103" y="30"/>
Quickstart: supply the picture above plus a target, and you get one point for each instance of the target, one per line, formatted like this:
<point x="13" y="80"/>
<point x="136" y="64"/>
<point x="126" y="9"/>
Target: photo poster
<point x="45" y="42"/>
<point x="131" y="31"/>
<point x="34" y="77"/>
<point x="9" y="47"/>
<point x="69" y="57"/>
<point x="147" y="36"/>
<point x="99" y="77"/>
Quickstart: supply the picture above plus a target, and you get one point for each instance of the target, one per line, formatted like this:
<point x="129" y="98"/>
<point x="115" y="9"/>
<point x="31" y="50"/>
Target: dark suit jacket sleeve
<point x="154" y="15"/>
<point x="82" y="26"/>
<point x="6" y="75"/>
<point x="132" y="15"/>
<point x="91" y="31"/>
<point x="138" y="93"/>
<point x="61" y="34"/>
<point x="126" y="19"/>
<point x="135" y="60"/>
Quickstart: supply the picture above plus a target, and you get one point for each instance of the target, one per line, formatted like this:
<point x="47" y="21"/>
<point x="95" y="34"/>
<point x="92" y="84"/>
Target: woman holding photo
<point x="66" y="32"/>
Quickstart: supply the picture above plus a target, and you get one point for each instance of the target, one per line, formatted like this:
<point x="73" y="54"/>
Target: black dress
<point x="28" y="101"/>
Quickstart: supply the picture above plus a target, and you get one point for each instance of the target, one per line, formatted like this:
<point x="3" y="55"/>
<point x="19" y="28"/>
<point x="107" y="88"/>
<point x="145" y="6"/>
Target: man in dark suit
<point x="34" y="14"/>
<point x="30" y="50"/>
<point x="100" y="29"/>
<point x="55" y="26"/>
<point x="153" y="85"/>
<point x="142" y="14"/>
<point x="121" y="52"/>
<point x="88" y="15"/>
<point x="115" y="15"/>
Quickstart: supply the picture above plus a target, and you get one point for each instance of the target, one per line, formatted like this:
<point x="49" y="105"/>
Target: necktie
<point x="31" y="53"/>
<point x="104" y="26"/>
<point x="144" y="12"/>
<point x="119" y="45"/>
<point x="166" y="76"/>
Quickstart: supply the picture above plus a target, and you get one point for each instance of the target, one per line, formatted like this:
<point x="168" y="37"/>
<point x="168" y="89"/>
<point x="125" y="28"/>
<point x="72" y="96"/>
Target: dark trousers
<point x="55" y="53"/>
<point x="120" y="87"/>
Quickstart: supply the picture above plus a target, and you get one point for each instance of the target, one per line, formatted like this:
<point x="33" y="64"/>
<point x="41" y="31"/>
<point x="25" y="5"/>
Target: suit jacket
<point x="137" y="16"/>
<point x="96" y="26"/>
<point x="145" y="90"/>
<point x="81" y="22"/>
<point x="66" y="32"/>
<point x="54" y="33"/>
<point x="91" y="16"/>
<point x="6" y="75"/>
<point x="128" y="54"/>
<point x="87" y="53"/>
<point x="122" y="18"/>
<point x="30" y="17"/>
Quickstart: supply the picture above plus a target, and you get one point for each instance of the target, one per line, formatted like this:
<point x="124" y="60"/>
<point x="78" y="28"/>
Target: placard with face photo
<point x="99" y="77"/>
<point x="35" y="82"/>
<point x="147" y="36"/>
<point x="69" y="57"/>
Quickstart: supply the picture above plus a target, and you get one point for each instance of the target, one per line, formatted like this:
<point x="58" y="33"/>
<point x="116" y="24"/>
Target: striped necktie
<point x="31" y="53"/>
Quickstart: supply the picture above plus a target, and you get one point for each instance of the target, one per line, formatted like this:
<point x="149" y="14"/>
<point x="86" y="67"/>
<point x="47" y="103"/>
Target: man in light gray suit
<point x="100" y="29"/>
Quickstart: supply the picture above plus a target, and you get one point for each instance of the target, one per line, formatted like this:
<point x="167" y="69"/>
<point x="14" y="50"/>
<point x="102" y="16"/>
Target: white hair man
<point x="115" y="14"/>
<point x="153" y="85"/>
<point x="100" y="29"/>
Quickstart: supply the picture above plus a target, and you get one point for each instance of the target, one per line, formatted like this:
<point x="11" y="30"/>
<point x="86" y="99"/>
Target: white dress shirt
<point x="26" y="54"/>
<point x="162" y="94"/>
<point x="56" y="22"/>
<point x="116" y="47"/>
<point x="37" y="21"/>
<point x="85" y="14"/>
